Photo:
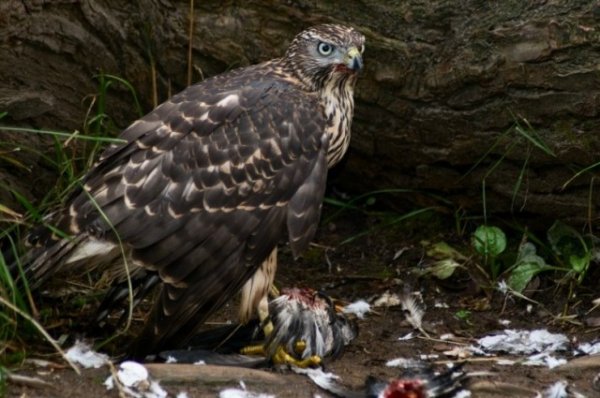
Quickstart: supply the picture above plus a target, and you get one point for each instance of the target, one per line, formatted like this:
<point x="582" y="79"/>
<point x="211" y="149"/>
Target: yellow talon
<point x="281" y="357"/>
<point x="257" y="349"/>
<point x="300" y="346"/>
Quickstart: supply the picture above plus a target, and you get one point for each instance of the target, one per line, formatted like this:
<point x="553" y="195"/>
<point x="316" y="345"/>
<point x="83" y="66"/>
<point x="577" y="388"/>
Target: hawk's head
<point x="324" y="53"/>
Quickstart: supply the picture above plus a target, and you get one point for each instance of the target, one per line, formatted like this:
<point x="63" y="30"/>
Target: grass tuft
<point x="73" y="154"/>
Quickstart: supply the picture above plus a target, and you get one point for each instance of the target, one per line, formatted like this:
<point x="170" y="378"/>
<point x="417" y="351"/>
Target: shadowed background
<point x="453" y="94"/>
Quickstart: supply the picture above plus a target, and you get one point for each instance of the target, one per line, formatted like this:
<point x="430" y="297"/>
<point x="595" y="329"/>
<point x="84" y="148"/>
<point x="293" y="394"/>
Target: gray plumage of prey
<point x="205" y="185"/>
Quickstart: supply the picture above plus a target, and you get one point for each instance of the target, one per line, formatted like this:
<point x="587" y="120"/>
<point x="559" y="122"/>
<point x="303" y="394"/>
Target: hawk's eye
<point x="325" y="48"/>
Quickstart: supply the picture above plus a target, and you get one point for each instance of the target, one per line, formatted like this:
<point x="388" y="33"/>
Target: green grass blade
<point x="580" y="172"/>
<point x="131" y="89"/>
<point x="519" y="181"/>
<point x="62" y="134"/>
<point x="536" y="141"/>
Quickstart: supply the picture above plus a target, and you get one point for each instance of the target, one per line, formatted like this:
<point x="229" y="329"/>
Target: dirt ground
<point x="366" y="268"/>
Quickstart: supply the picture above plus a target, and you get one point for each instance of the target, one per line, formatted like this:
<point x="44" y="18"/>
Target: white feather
<point x="90" y="248"/>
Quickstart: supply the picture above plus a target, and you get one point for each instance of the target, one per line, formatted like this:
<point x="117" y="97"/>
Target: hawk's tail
<point x="45" y="256"/>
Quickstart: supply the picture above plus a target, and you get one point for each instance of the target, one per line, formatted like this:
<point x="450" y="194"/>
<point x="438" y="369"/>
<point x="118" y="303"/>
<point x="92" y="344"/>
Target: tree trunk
<point x="455" y="95"/>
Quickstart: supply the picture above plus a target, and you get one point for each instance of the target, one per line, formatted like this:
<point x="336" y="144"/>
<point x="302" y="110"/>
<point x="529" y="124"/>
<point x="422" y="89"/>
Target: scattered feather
<point x="387" y="299"/>
<point x="171" y="359"/>
<point x="408" y="336"/>
<point x="132" y="373"/>
<point x="504" y="322"/>
<point x="588" y="348"/>
<point x="503" y="287"/>
<point x="438" y="304"/>
<point x="242" y="393"/>
<point x="556" y="390"/>
<point x="544" y="359"/>
<point x="523" y="342"/>
<point x="135" y="381"/>
<point x="200" y="362"/>
<point x="81" y="353"/>
<point x="447" y="336"/>
<point x="405" y="363"/>
<point x="506" y="362"/>
<point x="182" y="394"/>
<point x="529" y="308"/>
<point x="425" y="357"/>
<point x="358" y="308"/>
<point x="325" y="380"/>
<point x="413" y="311"/>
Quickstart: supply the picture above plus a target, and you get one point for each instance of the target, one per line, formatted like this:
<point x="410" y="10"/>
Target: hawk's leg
<point x="255" y="297"/>
<point x="255" y="294"/>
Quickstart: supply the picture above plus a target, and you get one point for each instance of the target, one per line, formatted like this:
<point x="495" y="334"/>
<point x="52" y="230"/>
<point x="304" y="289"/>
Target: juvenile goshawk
<point x="205" y="185"/>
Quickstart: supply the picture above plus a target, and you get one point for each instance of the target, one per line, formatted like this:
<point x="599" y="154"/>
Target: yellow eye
<point x="325" y="48"/>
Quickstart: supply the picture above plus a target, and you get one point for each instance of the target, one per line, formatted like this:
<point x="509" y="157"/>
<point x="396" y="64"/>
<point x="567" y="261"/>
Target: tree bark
<point x="445" y="86"/>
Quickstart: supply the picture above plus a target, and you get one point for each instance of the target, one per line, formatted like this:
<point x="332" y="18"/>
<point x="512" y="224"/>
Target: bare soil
<point x="366" y="268"/>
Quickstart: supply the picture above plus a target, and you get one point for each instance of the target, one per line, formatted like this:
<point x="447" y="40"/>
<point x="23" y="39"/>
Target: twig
<point x="116" y="380"/>
<point x="428" y="338"/>
<point x="27" y="380"/>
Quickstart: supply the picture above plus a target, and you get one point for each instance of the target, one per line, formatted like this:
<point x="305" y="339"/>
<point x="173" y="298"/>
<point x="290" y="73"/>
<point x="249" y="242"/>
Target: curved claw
<point x="281" y="357"/>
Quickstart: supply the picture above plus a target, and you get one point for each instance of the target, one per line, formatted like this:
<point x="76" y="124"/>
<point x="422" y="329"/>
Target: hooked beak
<point x="353" y="59"/>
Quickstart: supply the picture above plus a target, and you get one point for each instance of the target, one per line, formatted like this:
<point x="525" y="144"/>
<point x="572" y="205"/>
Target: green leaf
<point x="580" y="264"/>
<point x="462" y="314"/>
<point x="443" y="269"/>
<point x="520" y="277"/>
<point x="562" y="238"/>
<point x="567" y="243"/>
<point x="489" y="241"/>
<point x="528" y="265"/>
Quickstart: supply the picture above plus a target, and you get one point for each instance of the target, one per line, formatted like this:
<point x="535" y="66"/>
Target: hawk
<point x="200" y="192"/>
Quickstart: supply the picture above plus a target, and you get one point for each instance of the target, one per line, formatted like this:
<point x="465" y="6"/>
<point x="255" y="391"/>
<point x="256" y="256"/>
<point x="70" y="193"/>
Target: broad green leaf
<point x="489" y="241"/>
<point x="528" y="265"/>
<point x="570" y="245"/>
<point x="522" y="275"/>
<point x="443" y="269"/>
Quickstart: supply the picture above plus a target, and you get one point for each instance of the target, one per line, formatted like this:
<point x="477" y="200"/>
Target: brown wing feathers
<point x="202" y="194"/>
<point x="206" y="183"/>
<point x="240" y="234"/>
